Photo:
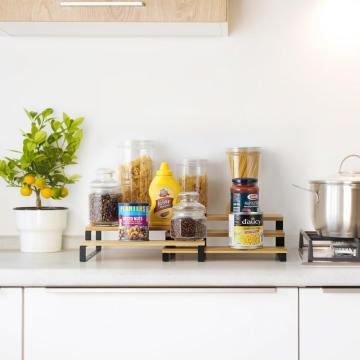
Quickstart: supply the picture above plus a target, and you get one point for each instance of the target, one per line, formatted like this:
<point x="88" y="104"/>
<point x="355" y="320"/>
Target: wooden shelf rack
<point x="200" y="247"/>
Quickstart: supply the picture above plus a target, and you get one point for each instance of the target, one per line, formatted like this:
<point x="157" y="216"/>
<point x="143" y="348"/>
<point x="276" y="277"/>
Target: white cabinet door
<point x="176" y="324"/>
<point x="10" y="324"/>
<point x="329" y="323"/>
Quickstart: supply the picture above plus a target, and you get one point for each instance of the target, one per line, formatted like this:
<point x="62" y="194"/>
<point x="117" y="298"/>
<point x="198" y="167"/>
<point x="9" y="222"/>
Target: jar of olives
<point x="104" y="198"/>
<point x="188" y="221"/>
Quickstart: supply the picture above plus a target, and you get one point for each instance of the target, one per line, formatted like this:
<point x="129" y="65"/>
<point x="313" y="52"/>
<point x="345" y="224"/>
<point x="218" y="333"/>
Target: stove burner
<point x="336" y="249"/>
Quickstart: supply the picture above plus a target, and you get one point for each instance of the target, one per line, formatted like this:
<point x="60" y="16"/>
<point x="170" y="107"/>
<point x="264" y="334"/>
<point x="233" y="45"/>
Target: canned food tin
<point x="246" y="230"/>
<point x="134" y="221"/>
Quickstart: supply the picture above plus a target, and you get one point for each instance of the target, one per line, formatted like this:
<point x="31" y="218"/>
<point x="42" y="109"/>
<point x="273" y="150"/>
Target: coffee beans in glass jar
<point x="104" y="198"/>
<point x="188" y="228"/>
<point x="189" y="220"/>
<point x="104" y="208"/>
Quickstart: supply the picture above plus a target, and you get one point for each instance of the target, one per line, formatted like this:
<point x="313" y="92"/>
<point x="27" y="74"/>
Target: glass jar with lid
<point x="136" y="170"/>
<point x="189" y="220"/>
<point x="104" y="198"/>
<point x="192" y="176"/>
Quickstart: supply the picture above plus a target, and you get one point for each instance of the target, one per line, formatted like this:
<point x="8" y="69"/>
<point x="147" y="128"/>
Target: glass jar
<point x="192" y="177"/>
<point x="188" y="221"/>
<point x="104" y="198"/>
<point x="244" y="162"/>
<point x="244" y="195"/>
<point x="136" y="170"/>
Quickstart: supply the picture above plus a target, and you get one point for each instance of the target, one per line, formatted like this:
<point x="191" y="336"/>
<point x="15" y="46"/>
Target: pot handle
<point x="308" y="190"/>
<point x="341" y="172"/>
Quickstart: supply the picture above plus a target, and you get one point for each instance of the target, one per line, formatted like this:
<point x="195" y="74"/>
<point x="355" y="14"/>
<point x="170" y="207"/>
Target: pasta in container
<point x="136" y="170"/>
<point x="192" y="177"/>
<point x="244" y="162"/>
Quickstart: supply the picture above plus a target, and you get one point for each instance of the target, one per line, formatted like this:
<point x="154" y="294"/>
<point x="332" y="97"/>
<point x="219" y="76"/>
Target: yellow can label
<point x="246" y="230"/>
<point x="248" y="235"/>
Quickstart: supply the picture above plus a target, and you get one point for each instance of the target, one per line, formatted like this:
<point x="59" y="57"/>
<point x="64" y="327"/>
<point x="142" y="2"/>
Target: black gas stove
<point x="314" y="247"/>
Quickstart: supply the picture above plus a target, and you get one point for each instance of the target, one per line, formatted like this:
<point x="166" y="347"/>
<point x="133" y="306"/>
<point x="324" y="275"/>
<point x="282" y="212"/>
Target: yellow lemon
<point x="47" y="193"/>
<point x="40" y="183"/>
<point x="29" y="179"/>
<point x="25" y="191"/>
<point x="64" y="192"/>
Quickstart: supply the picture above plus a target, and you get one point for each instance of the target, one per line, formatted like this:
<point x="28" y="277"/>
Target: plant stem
<point x="38" y="198"/>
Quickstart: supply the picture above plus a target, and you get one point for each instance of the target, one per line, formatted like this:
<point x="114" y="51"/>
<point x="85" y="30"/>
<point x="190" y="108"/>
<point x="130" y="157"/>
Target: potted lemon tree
<point x="38" y="169"/>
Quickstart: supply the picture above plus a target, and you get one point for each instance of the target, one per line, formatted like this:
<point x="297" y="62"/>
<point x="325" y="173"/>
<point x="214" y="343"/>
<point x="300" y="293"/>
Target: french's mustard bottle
<point x="163" y="191"/>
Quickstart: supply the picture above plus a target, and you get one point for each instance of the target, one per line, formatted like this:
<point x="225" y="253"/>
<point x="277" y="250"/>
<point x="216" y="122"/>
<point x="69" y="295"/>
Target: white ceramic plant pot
<point x="41" y="229"/>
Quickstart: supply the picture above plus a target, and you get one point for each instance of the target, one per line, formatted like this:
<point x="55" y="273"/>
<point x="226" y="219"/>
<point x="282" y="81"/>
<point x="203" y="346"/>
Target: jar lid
<point x="189" y="196"/>
<point x="189" y="202"/>
<point x="104" y="179"/>
<point x="244" y="181"/>
<point x="194" y="162"/>
<point x="137" y="143"/>
<point x="236" y="150"/>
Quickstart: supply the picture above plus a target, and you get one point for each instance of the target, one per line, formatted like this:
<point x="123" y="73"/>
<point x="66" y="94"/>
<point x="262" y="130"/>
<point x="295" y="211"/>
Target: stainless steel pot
<point x="336" y="203"/>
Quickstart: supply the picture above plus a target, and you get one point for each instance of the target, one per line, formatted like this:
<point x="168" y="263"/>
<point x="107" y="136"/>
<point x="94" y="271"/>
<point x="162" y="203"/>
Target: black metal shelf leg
<point x="84" y="257"/>
<point x="201" y="254"/>
<point x="282" y="257"/>
<point x="98" y="238"/>
<point x="166" y="257"/>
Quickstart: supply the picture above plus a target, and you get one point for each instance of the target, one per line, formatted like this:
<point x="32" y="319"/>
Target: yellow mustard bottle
<point x="164" y="191"/>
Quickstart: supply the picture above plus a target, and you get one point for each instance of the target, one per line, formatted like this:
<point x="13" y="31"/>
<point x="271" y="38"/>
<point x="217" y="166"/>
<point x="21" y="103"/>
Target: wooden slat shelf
<point x="225" y="233"/>
<point x="200" y="247"/>
<point x="148" y="243"/>
<point x="116" y="228"/>
<point x="228" y="250"/>
<point x="210" y="232"/>
<point x="222" y="217"/>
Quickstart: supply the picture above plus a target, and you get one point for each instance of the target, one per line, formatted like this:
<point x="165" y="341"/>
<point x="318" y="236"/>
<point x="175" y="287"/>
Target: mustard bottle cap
<point x="164" y="170"/>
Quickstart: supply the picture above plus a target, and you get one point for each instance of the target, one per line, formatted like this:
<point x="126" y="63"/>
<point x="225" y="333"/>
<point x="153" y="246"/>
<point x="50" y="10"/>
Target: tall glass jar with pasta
<point x="136" y="170"/>
<point x="244" y="162"/>
<point x="192" y="177"/>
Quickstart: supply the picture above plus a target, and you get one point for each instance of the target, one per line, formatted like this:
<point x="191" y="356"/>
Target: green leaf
<point x="67" y="120"/>
<point x="31" y="114"/>
<point x="34" y="129"/>
<point x="40" y="137"/>
<point x="77" y="122"/>
<point x="47" y="112"/>
<point x="30" y="146"/>
<point x="74" y="177"/>
<point x="55" y="125"/>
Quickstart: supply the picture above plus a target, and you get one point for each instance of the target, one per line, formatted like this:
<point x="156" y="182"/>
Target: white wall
<point x="286" y="79"/>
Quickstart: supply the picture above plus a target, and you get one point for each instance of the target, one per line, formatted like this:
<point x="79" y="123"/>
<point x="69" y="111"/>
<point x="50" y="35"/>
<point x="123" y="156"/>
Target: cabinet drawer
<point x="157" y="324"/>
<point x="150" y="11"/>
<point x="329" y="320"/>
<point x="10" y="324"/>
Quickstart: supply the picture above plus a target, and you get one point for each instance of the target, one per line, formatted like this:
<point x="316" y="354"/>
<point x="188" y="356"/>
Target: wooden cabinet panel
<point x="152" y="11"/>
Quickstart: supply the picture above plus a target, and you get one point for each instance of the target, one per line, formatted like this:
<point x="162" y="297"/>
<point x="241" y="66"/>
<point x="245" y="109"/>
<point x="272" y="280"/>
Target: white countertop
<point x="128" y="267"/>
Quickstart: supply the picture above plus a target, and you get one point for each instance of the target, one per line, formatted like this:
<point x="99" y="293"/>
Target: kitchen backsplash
<point x="278" y="89"/>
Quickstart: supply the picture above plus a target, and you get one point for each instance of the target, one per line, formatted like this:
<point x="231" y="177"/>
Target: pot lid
<point x="342" y="177"/>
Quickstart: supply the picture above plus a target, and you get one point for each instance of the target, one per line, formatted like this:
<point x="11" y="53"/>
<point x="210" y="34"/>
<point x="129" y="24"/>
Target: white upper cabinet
<point x="329" y="323"/>
<point x="10" y="324"/>
<point x="161" y="324"/>
<point x="148" y="17"/>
